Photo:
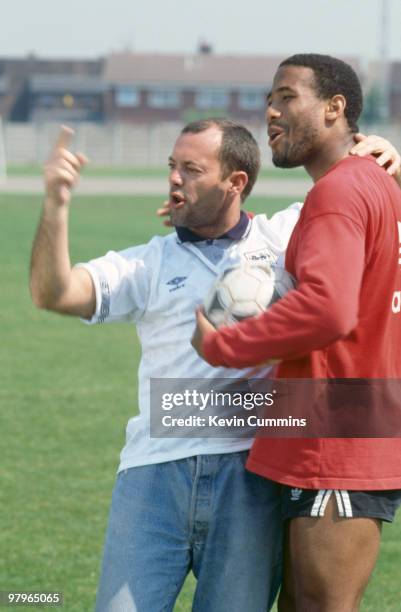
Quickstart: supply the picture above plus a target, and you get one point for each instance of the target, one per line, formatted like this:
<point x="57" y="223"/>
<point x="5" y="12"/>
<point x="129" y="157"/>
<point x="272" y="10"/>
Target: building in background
<point x="67" y="97"/>
<point x="149" y="88"/>
<point x="138" y="87"/>
<point x="34" y="89"/>
<point x="126" y="108"/>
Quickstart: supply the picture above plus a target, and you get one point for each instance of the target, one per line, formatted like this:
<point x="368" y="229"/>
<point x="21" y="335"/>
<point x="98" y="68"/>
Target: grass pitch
<point x="67" y="392"/>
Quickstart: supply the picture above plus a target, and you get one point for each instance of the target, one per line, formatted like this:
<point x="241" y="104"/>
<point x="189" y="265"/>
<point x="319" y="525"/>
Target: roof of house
<point x="196" y="70"/>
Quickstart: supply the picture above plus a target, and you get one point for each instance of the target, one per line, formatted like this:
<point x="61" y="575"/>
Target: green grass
<point x="67" y="392"/>
<point x="146" y="172"/>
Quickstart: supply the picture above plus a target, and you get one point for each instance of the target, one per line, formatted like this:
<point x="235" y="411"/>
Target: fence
<point x="121" y="144"/>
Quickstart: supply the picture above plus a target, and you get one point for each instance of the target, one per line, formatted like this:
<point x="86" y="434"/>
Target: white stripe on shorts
<point x="343" y="503"/>
<point x="320" y="503"/>
<point x="340" y="506"/>
<point x="347" y="504"/>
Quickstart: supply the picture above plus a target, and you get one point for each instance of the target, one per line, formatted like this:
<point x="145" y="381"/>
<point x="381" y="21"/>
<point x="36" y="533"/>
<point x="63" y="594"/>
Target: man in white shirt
<point x="179" y="504"/>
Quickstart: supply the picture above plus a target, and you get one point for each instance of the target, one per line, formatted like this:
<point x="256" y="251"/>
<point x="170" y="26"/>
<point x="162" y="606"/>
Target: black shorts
<point x="380" y="505"/>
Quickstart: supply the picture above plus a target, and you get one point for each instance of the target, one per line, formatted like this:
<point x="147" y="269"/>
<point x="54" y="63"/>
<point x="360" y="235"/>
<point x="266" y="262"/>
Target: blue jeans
<point x="206" y="514"/>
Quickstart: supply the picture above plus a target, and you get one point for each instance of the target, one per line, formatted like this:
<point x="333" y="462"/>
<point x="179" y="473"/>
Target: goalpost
<point x="3" y="160"/>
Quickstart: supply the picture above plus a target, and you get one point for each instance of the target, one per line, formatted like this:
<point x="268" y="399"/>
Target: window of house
<point x="251" y="100"/>
<point x="164" y="98"/>
<point x="127" y="96"/>
<point x="212" y="98"/>
<point x="48" y="100"/>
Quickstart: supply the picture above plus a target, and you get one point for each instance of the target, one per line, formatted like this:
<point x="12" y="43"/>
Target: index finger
<point x="64" y="138"/>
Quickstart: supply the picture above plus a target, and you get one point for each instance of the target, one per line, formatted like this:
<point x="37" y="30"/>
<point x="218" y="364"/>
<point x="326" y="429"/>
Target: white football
<point x="245" y="291"/>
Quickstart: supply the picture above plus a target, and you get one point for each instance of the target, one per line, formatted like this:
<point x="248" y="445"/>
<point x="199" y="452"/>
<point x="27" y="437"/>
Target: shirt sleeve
<point x="122" y="282"/>
<point x="283" y="222"/>
<point x="323" y="307"/>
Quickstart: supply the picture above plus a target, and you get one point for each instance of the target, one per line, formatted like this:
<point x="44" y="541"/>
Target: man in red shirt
<point x="342" y="321"/>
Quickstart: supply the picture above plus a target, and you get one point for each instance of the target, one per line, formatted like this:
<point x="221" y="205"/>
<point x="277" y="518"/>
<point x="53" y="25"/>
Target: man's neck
<point x="328" y="155"/>
<point x="209" y="232"/>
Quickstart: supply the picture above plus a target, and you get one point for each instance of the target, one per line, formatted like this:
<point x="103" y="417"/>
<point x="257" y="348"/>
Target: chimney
<point x="205" y="47"/>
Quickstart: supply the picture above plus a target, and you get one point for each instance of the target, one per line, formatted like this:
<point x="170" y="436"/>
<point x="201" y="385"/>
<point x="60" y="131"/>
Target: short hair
<point x="332" y="76"/>
<point x="238" y="150"/>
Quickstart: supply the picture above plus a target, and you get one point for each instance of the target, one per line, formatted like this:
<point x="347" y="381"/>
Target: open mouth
<point x="275" y="135"/>
<point x="177" y="200"/>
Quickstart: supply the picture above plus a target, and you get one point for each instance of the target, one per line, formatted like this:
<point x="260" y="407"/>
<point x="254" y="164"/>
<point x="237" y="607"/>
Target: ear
<point x="335" y="107"/>
<point x="238" y="180"/>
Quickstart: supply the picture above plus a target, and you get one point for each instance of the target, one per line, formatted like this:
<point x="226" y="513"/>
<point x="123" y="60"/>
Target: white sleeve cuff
<point x="102" y="293"/>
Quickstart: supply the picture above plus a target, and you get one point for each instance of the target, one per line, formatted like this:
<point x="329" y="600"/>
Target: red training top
<point x="342" y="321"/>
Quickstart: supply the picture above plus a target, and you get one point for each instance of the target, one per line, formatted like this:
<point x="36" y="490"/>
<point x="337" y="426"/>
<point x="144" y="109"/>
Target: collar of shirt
<point x="235" y="233"/>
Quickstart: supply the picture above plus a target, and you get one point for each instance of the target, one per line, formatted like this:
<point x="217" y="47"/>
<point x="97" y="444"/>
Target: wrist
<point x="53" y="209"/>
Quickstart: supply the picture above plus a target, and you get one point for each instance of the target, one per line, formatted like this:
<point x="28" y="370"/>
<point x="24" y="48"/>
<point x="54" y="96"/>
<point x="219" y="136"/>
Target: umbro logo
<point x="176" y="283"/>
<point x="296" y="494"/>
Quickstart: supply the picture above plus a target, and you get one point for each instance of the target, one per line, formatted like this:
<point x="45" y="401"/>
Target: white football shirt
<point x="158" y="286"/>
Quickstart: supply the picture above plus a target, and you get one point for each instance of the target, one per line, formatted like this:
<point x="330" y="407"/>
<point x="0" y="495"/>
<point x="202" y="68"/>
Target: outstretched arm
<point x="55" y="285"/>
